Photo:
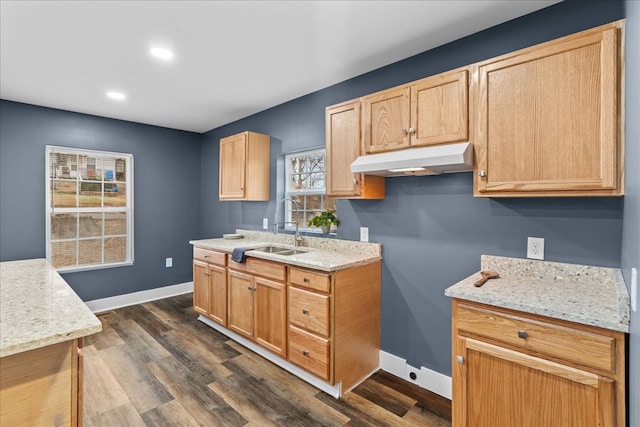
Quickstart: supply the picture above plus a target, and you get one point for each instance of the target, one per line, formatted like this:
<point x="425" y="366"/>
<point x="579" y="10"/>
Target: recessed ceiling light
<point x="118" y="96"/>
<point x="161" y="53"/>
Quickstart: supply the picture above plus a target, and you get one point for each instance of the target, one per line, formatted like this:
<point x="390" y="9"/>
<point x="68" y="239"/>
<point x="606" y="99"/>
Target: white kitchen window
<point x="89" y="208"/>
<point x="305" y="184"/>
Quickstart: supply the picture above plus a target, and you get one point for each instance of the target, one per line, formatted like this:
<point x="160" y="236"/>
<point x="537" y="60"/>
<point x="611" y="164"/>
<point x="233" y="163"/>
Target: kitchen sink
<point x="279" y="250"/>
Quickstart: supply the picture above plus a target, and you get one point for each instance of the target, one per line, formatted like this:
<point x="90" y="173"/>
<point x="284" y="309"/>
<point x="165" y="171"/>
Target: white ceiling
<point x="232" y="58"/>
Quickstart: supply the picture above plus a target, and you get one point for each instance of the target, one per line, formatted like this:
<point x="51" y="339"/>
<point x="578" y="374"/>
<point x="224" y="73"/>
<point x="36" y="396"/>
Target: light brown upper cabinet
<point x="344" y="145"/>
<point x="429" y="111"/>
<point x="244" y="167"/>
<point x="546" y="118"/>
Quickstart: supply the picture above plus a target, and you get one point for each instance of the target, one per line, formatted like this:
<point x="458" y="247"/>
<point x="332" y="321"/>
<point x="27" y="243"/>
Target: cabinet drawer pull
<point x="522" y="334"/>
<point x="305" y="311"/>
<point x="305" y="280"/>
<point x="305" y="353"/>
<point x="207" y="274"/>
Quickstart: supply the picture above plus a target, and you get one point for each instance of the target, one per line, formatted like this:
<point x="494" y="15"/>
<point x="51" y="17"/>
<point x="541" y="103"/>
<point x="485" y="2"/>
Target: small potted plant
<point x="324" y="220"/>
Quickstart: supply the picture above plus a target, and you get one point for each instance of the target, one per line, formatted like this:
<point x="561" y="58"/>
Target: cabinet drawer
<point x="309" y="351"/>
<point x="309" y="310"/>
<point x="309" y="279"/>
<point x="259" y="267"/>
<point x="209" y="256"/>
<point x="564" y="342"/>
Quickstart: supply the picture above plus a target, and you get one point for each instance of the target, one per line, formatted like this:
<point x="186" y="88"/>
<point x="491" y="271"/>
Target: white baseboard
<point x="425" y="378"/>
<point x="118" y="301"/>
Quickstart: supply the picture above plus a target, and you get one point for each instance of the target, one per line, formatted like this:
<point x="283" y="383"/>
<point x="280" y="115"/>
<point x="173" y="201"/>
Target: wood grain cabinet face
<point x="509" y="368"/>
<point x="546" y="119"/>
<point x="257" y="306"/>
<point x="244" y="167"/>
<point x="344" y="146"/>
<point x="210" y="285"/>
<point x="429" y="111"/>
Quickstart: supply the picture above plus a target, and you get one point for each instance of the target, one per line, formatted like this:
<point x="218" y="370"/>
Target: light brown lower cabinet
<point x="517" y="369"/>
<point x="334" y="322"/>
<point x="42" y="387"/>
<point x="327" y="323"/>
<point x="257" y="303"/>
<point x="210" y="284"/>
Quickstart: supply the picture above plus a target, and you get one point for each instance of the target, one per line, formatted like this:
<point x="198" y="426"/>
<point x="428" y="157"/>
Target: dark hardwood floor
<point x="155" y="364"/>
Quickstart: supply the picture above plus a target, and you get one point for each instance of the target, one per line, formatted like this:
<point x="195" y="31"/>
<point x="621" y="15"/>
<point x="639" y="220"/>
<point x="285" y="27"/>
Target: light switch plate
<point x="168" y="262"/>
<point x="265" y="223"/>
<point x="364" y="234"/>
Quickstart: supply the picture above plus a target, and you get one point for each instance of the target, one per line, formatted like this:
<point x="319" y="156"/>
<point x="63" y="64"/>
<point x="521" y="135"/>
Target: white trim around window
<point x="88" y="208"/>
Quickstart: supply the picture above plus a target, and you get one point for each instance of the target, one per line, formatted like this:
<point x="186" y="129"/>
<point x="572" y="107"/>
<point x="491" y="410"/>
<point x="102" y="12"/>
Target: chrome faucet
<point x="298" y="237"/>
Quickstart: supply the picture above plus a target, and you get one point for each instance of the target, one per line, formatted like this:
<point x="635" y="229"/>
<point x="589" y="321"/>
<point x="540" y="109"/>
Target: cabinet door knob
<point x="404" y="132"/>
<point x="460" y="359"/>
<point x="412" y="131"/>
<point x="482" y="173"/>
<point x="355" y="181"/>
<point x="305" y="311"/>
<point x="305" y="353"/>
<point x="522" y="334"/>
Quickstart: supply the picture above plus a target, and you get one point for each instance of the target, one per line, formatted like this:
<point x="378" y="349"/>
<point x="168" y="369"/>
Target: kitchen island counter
<point x="38" y="308"/>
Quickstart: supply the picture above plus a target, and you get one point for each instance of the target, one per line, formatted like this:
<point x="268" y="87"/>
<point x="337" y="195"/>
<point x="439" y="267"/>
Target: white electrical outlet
<point x="535" y="247"/>
<point x="364" y="234"/>
<point x="168" y="262"/>
<point x="265" y="223"/>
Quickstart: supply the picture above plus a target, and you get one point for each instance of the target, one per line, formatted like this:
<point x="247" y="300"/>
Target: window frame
<point x="50" y="210"/>
<point x="289" y="214"/>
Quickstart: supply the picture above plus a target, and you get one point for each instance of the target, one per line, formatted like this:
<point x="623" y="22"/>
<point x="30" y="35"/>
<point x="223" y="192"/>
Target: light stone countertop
<point x="589" y="295"/>
<point x="322" y="253"/>
<point x="38" y="308"/>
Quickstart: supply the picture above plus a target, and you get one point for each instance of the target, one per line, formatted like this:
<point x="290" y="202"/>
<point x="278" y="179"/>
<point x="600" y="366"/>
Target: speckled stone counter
<point x="322" y="254"/>
<point x="38" y="308"/>
<point x="584" y="294"/>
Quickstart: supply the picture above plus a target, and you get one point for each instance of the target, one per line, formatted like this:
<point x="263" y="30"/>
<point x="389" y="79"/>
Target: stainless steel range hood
<point x="417" y="161"/>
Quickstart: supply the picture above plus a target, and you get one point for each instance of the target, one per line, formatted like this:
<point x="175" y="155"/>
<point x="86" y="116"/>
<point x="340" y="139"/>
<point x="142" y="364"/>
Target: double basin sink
<point x="280" y="250"/>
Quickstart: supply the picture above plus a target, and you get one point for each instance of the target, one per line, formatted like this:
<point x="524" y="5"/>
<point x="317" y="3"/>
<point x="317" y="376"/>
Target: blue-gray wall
<point x="432" y="229"/>
<point x="167" y="193"/>
<point x="631" y="224"/>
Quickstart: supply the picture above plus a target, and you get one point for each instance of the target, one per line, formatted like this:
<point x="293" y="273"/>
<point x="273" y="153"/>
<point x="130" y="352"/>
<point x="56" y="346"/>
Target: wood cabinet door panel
<point x="201" y="287"/>
<point x="233" y="157"/>
<point x="271" y="315"/>
<point x="439" y="109"/>
<point x="386" y="120"/>
<point x="218" y="294"/>
<point x="240" y="303"/>
<point x="343" y="148"/>
<point x="547" y="117"/>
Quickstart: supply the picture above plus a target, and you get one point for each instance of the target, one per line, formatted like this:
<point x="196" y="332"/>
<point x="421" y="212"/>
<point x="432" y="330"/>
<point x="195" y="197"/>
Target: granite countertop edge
<point x="316" y="258"/>
<point x="577" y="301"/>
<point x="39" y="308"/>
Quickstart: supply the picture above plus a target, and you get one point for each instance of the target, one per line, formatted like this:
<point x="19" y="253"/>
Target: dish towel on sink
<point x="238" y="254"/>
